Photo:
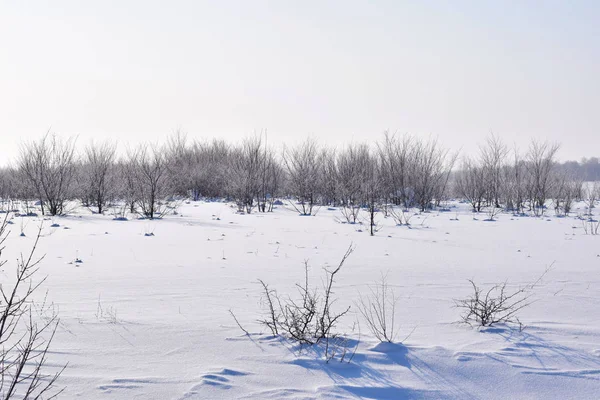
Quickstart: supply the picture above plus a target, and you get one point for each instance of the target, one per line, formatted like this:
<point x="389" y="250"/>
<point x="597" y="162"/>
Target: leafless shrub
<point x="498" y="304"/>
<point x="590" y="226"/>
<point x="492" y="211"/>
<point x="106" y="314"/>
<point x="400" y="215"/>
<point x="378" y="308"/>
<point x="309" y="320"/>
<point x="25" y="340"/>
<point x="350" y="213"/>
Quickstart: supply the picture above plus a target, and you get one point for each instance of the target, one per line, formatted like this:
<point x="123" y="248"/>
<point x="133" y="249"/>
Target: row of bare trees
<point x="503" y="178"/>
<point x="392" y="175"/>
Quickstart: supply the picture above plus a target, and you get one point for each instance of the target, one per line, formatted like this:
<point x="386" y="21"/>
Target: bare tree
<point x="515" y="187"/>
<point x="565" y="190"/>
<point x="208" y="169"/>
<point x="373" y="189"/>
<point x="179" y="161"/>
<point x="9" y="189"/>
<point x="151" y="179"/>
<point x="329" y="177"/>
<point x="98" y="183"/>
<point x="541" y="161"/>
<point x="48" y="166"/>
<point x="398" y="168"/>
<point x="126" y="191"/>
<point x="591" y="194"/>
<point x="433" y="164"/>
<point x="271" y="181"/>
<point x="302" y="164"/>
<point x="493" y="156"/>
<point x="471" y="185"/>
<point x="352" y="167"/>
<point x="246" y="163"/>
<point x="270" y="178"/>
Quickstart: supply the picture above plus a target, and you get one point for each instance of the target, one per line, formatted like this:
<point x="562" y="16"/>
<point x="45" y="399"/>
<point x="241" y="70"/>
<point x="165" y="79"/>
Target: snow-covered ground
<point x="147" y="317"/>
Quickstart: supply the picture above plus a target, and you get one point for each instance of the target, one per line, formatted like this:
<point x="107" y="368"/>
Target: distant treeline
<point x="588" y="169"/>
<point x="391" y="175"/>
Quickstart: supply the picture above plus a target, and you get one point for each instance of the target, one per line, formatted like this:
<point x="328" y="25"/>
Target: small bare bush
<point x="591" y="226"/>
<point x="309" y="319"/>
<point x="378" y="308"/>
<point x="492" y="211"/>
<point x="401" y="216"/>
<point x="106" y="314"/>
<point x="498" y="304"/>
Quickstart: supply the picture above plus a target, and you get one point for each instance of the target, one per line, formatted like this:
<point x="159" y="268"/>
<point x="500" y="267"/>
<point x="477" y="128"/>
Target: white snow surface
<point x="147" y="317"/>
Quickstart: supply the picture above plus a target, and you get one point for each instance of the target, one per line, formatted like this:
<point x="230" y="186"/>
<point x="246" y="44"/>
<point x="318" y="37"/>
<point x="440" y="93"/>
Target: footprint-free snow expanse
<point x="146" y="316"/>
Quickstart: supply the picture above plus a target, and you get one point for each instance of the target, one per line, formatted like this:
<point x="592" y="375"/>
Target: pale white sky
<point x="335" y="70"/>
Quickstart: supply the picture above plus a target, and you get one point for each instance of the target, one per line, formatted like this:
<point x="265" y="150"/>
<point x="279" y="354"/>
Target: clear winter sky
<point x="336" y="70"/>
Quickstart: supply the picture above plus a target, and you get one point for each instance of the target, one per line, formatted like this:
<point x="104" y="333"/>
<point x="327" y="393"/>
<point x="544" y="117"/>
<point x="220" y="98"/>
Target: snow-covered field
<point x="147" y="317"/>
